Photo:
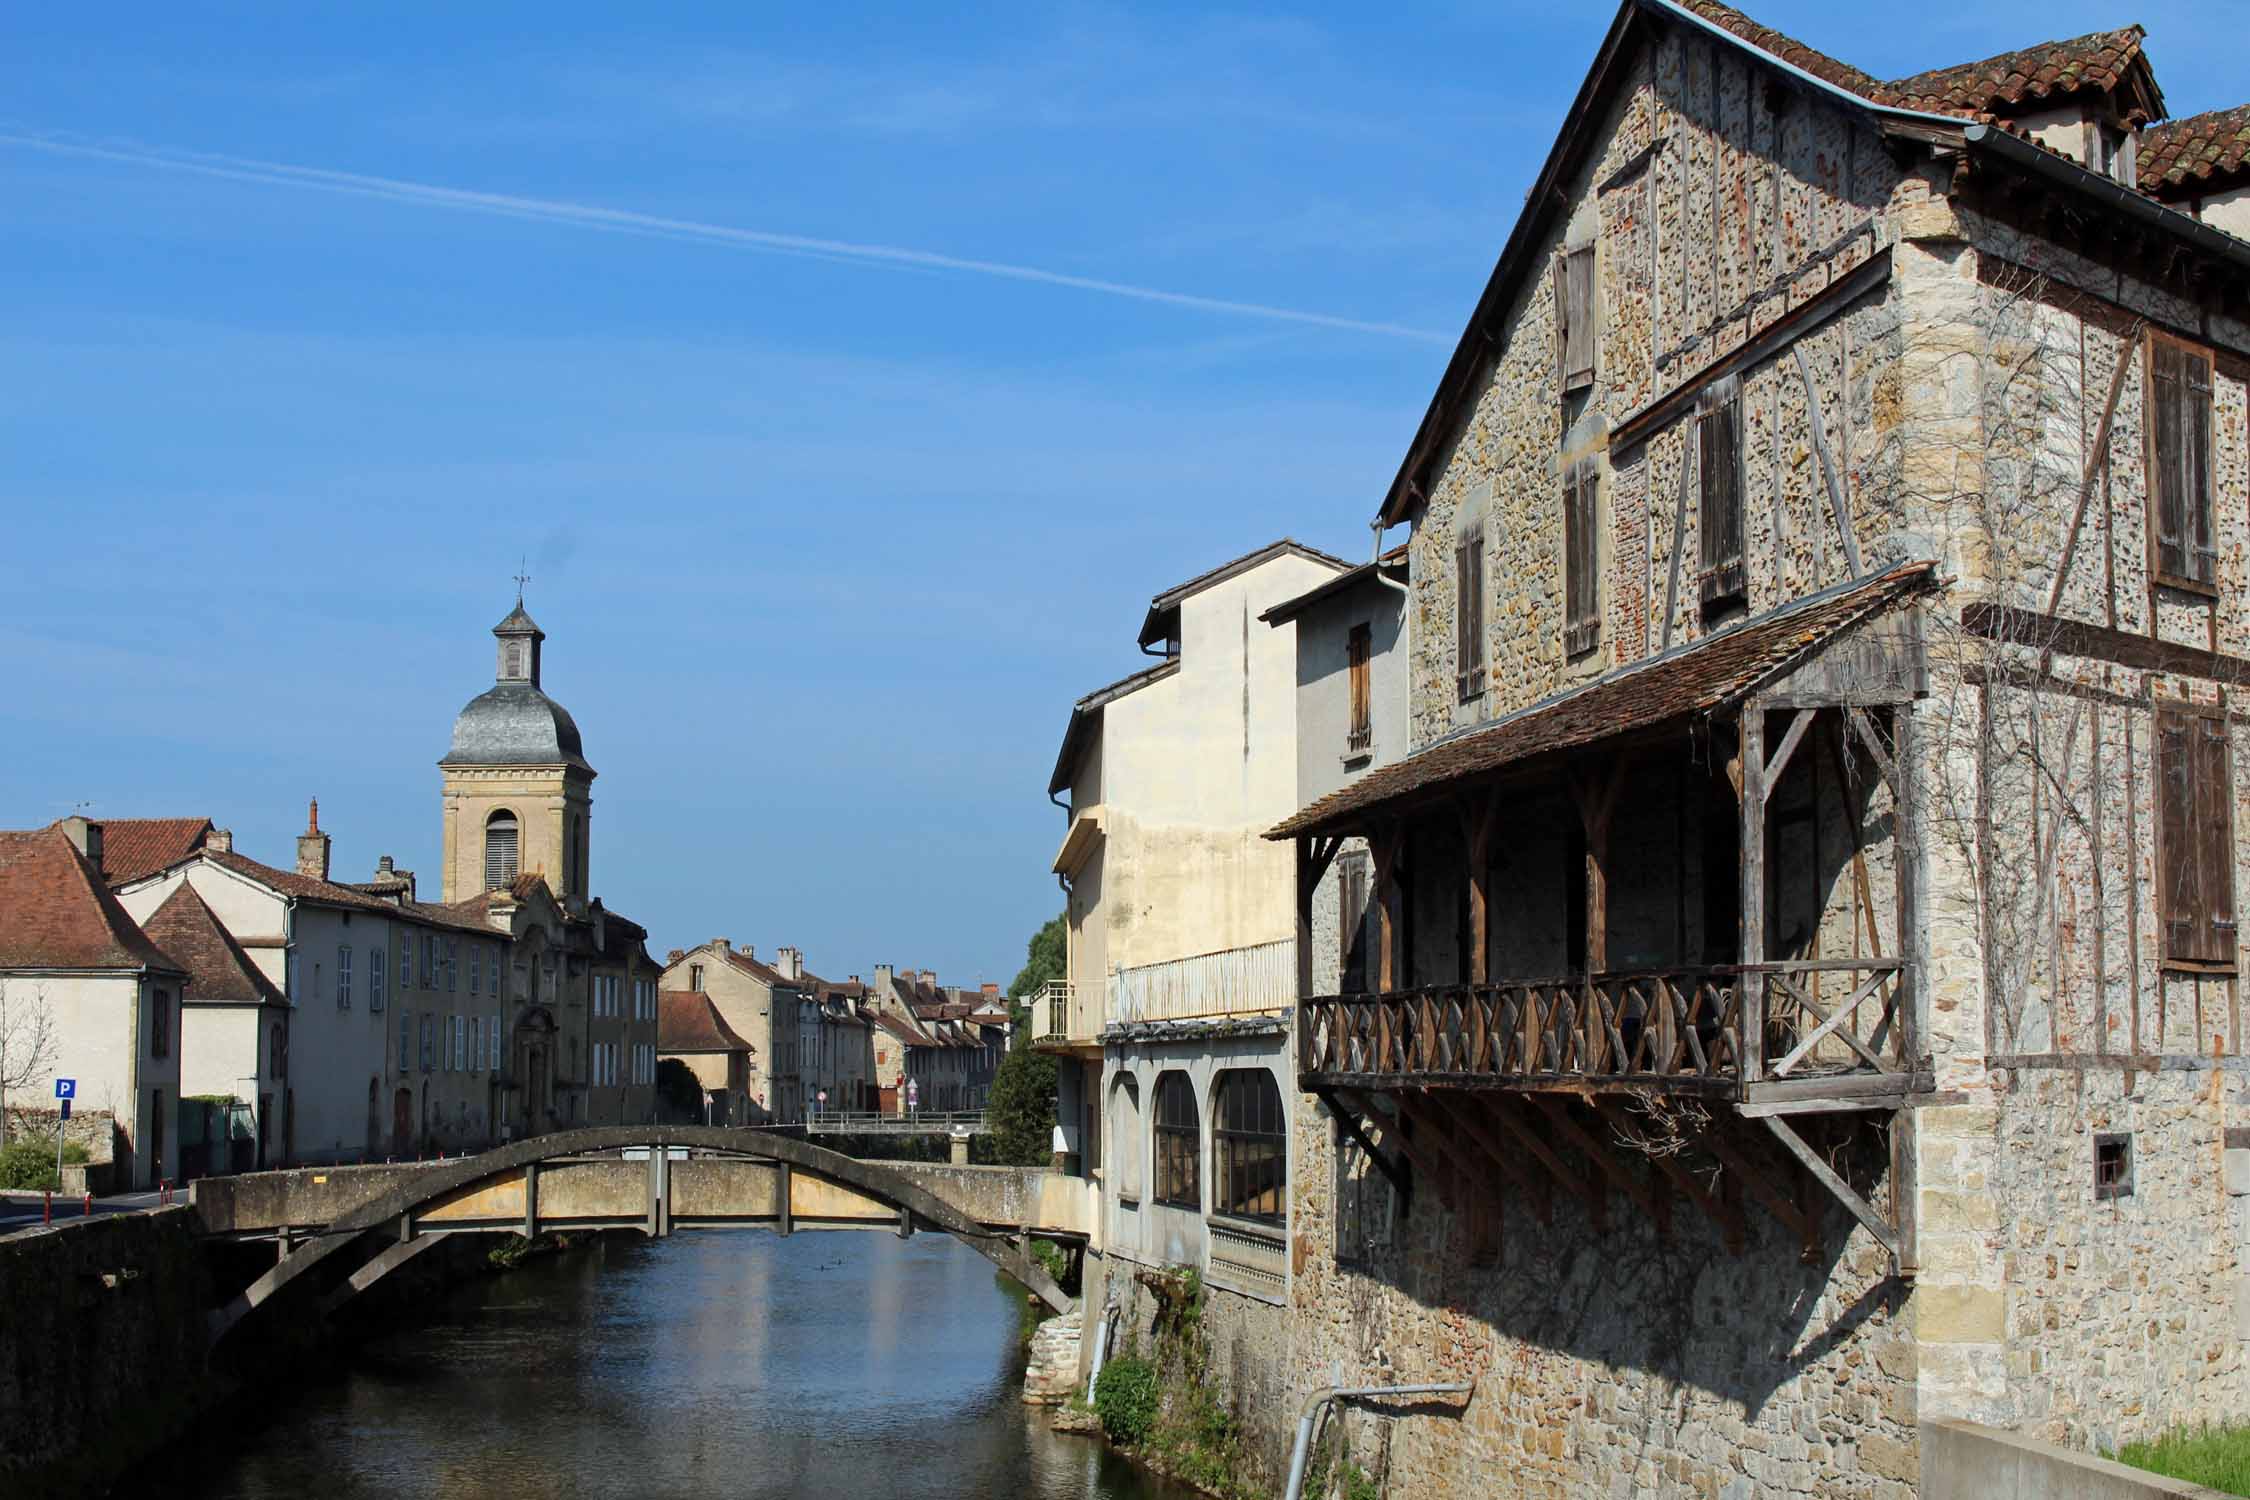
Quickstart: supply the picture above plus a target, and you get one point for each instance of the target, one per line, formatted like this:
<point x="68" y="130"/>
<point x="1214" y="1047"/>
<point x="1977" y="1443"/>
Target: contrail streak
<point x="625" y="221"/>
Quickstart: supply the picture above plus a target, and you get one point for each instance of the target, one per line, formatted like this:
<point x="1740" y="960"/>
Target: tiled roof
<point x="2182" y="157"/>
<point x="2099" y="62"/>
<point x="765" y="974"/>
<point x="463" y="915"/>
<point x="57" y="912"/>
<point x="134" y="847"/>
<point x="1705" y="674"/>
<point x="219" y="972"/>
<point x="1788" y="49"/>
<point x="687" y="1021"/>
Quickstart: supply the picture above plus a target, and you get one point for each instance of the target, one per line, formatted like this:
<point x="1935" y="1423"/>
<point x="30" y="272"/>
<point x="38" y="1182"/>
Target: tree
<point x="28" y="1044"/>
<point x="677" y="1087"/>
<point x="1046" y="957"/>
<point x="1022" y="1109"/>
<point x="1021" y="1114"/>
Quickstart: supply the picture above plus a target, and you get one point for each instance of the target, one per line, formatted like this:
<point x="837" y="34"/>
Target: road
<point x="17" y="1210"/>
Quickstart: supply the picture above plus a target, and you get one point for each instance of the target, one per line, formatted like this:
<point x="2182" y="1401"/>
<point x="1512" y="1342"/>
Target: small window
<point x="1719" y="433"/>
<point x="2179" y="459"/>
<point x="2113" y="1165"/>
<point x="1179" y="1144"/>
<point x="1366" y="1207"/>
<point x="695" y="977"/>
<point x="2195" y="837"/>
<point x="160" y="1023"/>
<point x="1574" y="317"/>
<point x="1250" y="1147"/>
<point x="1359" y="654"/>
<point x="343" y="978"/>
<point x="375" y="979"/>
<point x="501" y="849"/>
<point x="429" y="1043"/>
<point x="1468" y="614"/>
<point x="1582" y="604"/>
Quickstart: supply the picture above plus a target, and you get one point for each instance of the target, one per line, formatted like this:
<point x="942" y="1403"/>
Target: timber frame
<point x="1774" y="1068"/>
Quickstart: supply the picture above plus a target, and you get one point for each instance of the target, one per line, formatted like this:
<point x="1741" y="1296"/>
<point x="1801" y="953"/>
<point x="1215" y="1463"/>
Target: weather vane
<point x="522" y="578"/>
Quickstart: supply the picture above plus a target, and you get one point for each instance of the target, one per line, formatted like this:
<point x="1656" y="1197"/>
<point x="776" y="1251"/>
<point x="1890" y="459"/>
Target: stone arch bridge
<point x="655" y="1178"/>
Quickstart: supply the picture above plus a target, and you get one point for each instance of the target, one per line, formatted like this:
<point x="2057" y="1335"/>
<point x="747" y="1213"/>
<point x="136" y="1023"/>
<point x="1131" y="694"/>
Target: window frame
<point x="2210" y="853"/>
<point x="343" y="976"/>
<point x="1242" y="1144"/>
<point x="1178" y="1144"/>
<point x="1359" y="671"/>
<point x="1355" y="886"/>
<point x="1582" y="558"/>
<point x="2205" y="504"/>
<point x="160" y="1022"/>
<point x="376" y="954"/>
<point x="1722" y="574"/>
<point x="1469" y="612"/>
<point x="1576" y="321"/>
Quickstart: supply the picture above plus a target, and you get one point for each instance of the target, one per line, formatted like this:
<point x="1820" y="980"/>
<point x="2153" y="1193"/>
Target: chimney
<point x="312" y="846"/>
<point x="675" y="955"/>
<point x="750" y="951"/>
<point x="722" y="946"/>
<point x="989" y="990"/>
<point x="883" y="974"/>
<point x="220" y="839"/>
<point x="791" y="963"/>
<point x="86" y="837"/>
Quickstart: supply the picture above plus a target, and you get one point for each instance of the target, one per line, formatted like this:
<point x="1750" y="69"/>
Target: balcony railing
<point x="1050" y="1010"/>
<point x="1681" y="1028"/>
<point x="1236" y="981"/>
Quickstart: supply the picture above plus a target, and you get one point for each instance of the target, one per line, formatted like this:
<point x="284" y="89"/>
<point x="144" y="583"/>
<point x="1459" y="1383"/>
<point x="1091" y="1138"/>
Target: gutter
<point x="1319" y="1399"/>
<point x="1812" y="81"/>
<point x="2133" y="203"/>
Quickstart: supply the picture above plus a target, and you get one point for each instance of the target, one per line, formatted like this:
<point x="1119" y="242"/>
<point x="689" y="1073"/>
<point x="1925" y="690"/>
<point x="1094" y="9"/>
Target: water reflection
<point x="710" y="1363"/>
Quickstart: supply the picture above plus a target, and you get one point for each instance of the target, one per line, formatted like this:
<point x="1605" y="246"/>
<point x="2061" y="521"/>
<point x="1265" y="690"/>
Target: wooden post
<point x="531" y="1200"/>
<point x="1304" y="915"/>
<point x="1751" y="947"/>
<point x="1907" y="810"/>
<point x="1479" y="817"/>
<point x="1596" y="796"/>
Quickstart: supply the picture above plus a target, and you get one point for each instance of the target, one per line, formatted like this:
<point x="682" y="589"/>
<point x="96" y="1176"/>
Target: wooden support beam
<point x="1631" y="1184"/>
<point x="1433" y="1127"/>
<point x="1348" y="1108"/>
<point x="1385" y="849"/>
<point x="1436" y="1169"/>
<point x="1727" y="1216"/>
<point x="1595" y="792"/>
<point x="1830" y="475"/>
<point x="2097" y="459"/>
<point x="1517" y="1125"/>
<point x="1751" y="943"/>
<point x="1472" y="1123"/>
<point x="1757" y="1179"/>
<point x="1842" y="1191"/>
<point x="1480" y="817"/>
<point x="1788" y="747"/>
<point x="1906" y="840"/>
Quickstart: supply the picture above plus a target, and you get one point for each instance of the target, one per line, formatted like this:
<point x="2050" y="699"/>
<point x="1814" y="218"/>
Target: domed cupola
<point x="518" y="789"/>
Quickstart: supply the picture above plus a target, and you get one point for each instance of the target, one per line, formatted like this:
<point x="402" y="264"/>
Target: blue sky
<point x="318" y="317"/>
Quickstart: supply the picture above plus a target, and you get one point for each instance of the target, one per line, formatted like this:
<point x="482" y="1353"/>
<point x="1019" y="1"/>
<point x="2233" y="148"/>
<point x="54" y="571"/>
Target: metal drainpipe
<point x="1101" y="1348"/>
<point x="1319" y="1399"/>
<point x="1376" y="560"/>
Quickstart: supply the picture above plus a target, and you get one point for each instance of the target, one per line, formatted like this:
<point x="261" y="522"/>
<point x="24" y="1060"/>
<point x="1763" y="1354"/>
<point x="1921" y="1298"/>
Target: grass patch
<point x="2215" y="1456"/>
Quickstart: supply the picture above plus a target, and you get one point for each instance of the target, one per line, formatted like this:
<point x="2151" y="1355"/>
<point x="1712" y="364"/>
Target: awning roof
<point x="1701" y="676"/>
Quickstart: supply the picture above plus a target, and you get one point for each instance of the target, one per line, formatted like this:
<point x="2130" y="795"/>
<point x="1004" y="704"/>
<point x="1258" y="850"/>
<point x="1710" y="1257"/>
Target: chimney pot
<point x="313" y="847"/>
<point x="221" y="839"/>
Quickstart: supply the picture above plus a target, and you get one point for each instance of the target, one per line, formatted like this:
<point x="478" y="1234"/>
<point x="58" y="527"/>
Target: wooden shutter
<point x="2195" y="833"/>
<point x="1722" y="579"/>
<point x="1468" y="578"/>
<point x="2179" y="483"/>
<point x="1581" y="594"/>
<point x="1351" y="936"/>
<point x="1360" y="653"/>
<point x="1574" y="317"/>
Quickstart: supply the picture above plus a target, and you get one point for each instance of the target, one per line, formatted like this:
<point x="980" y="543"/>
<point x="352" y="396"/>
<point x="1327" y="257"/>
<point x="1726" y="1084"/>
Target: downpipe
<point x="1101" y="1348"/>
<point x="1305" y="1424"/>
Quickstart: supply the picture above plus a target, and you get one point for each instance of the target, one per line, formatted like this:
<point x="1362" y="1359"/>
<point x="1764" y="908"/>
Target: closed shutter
<point x="1360" y="651"/>
<point x="1574" y="318"/>
<point x="2195" y="853"/>
<point x="1722" y="579"/>
<point x="1581" y="595"/>
<point x="1468" y="577"/>
<point x="2180" y="462"/>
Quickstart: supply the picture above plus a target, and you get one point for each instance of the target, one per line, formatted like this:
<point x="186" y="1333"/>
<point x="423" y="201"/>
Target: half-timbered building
<point x="1803" y="1001"/>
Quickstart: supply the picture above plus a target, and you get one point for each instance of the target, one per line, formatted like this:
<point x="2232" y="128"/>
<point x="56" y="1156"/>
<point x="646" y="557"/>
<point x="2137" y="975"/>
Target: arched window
<point x="500" y="850"/>
<point x="1179" y="1143"/>
<point x="1125" y="1137"/>
<point x="1250" y="1147"/>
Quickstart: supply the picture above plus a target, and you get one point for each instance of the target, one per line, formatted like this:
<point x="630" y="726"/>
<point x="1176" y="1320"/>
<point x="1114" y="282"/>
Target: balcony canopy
<point x="1824" y="650"/>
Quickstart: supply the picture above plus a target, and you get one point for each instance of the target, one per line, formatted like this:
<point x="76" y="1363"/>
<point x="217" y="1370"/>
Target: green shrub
<point x="28" y="1164"/>
<point x="1126" y="1398"/>
<point x="2215" y="1456"/>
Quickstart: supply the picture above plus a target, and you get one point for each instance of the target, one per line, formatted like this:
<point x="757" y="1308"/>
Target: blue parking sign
<point x="66" y="1088"/>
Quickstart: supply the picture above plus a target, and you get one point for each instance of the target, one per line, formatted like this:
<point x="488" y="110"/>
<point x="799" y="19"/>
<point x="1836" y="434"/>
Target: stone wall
<point x="1611" y="1362"/>
<point x="101" y="1347"/>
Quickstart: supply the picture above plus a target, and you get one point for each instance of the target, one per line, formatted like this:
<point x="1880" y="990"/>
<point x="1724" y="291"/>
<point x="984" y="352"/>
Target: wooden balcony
<point x="1749" y="1033"/>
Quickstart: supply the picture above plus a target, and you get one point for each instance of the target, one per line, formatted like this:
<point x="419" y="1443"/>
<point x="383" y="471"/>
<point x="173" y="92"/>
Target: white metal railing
<point x="1261" y="977"/>
<point x="1050" y="1010"/>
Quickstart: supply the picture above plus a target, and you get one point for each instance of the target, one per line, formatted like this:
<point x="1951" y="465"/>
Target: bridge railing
<point x="877" y="1122"/>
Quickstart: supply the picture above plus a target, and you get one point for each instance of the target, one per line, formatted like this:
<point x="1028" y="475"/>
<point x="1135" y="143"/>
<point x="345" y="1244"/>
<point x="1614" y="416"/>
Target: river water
<point x="717" y="1363"/>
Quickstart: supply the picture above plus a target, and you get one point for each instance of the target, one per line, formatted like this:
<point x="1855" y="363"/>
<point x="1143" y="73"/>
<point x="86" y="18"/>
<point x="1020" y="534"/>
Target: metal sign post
<point x="66" y="1089"/>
